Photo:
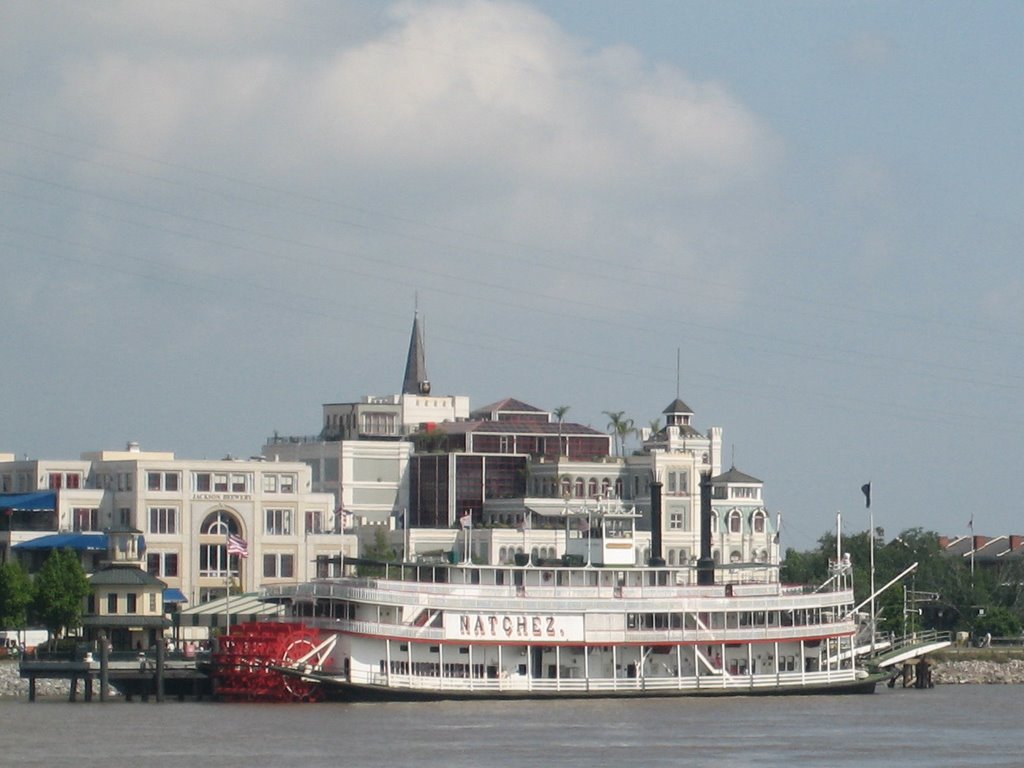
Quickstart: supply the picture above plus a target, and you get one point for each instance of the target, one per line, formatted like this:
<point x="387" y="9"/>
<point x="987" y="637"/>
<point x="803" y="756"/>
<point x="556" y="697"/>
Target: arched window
<point x="618" y="488"/>
<point x="671" y="557"/>
<point x="757" y="521"/>
<point x="503" y="555"/>
<point x="606" y="487"/>
<point x="214" y="560"/>
<point x="735" y="521"/>
<point x="592" y="488"/>
<point x="220" y="523"/>
<point x="579" y="488"/>
<point x="714" y="522"/>
<point x="735" y="556"/>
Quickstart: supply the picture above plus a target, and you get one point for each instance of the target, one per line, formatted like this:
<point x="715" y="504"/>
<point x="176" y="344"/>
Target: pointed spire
<point x="416" y="382"/>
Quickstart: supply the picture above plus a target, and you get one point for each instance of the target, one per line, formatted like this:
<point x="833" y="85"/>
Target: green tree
<point x="61" y="587"/>
<point x="380" y="550"/>
<point x="947" y="593"/>
<point x="559" y="413"/>
<point x="998" y="622"/>
<point x="16" y="595"/>
<point x="621" y="428"/>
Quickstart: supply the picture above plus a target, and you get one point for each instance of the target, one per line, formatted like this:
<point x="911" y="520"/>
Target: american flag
<point x="237" y="546"/>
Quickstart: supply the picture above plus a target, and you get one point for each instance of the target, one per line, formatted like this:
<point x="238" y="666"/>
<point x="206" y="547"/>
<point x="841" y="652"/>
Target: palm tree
<point x="559" y="413"/>
<point x="620" y="427"/>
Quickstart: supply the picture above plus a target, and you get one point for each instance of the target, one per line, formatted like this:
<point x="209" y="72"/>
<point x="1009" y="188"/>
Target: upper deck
<point x="561" y="589"/>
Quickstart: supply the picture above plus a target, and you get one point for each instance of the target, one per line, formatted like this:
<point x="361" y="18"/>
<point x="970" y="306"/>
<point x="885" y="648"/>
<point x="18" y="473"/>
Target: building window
<point x="314" y="521"/>
<point x="675" y="521"/>
<point x="278" y="565"/>
<point x="162" y="481"/>
<point x="65" y="480"/>
<point x="735" y="522"/>
<point x="759" y="522"/>
<point x="85" y="519"/>
<point x="269" y="483"/>
<point x="323" y="567"/>
<point x="152" y="602"/>
<point x="162" y="563"/>
<point x="132" y="603"/>
<point x="124" y="517"/>
<point x="220" y="523"/>
<point x="203" y="482"/>
<point x="213" y="557"/>
<point x="112" y="603"/>
<point x="220" y="482"/>
<point x="239" y="483"/>
<point x="214" y="561"/>
<point x="163" y="520"/>
<point x="279" y="522"/>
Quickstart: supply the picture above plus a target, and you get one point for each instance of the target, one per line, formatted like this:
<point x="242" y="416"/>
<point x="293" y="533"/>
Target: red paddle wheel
<point x="244" y="665"/>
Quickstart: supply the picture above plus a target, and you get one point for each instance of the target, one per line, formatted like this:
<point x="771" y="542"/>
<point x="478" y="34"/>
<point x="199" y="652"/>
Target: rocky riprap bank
<point x="977" y="671"/>
<point x="12" y="686"/>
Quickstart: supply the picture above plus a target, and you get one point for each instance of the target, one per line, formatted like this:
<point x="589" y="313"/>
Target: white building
<point x="361" y="455"/>
<point x="185" y="510"/>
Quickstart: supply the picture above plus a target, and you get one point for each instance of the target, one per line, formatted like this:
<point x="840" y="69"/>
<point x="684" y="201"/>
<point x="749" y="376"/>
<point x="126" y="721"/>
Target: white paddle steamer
<point x="592" y="624"/>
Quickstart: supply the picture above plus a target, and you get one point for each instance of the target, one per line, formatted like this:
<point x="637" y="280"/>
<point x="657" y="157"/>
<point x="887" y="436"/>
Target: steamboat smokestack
<point x="656" y="560"/>
<point x="706" y="564"/>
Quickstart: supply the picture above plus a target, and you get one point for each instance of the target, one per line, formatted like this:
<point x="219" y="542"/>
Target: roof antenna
<point x="677" y="373"/>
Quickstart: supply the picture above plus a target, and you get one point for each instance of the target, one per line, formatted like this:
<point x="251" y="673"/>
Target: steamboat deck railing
<point x="525" y="684"/>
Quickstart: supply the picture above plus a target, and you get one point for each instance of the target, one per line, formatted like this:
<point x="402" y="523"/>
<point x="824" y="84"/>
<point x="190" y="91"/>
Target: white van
<point x="13" y="639"/>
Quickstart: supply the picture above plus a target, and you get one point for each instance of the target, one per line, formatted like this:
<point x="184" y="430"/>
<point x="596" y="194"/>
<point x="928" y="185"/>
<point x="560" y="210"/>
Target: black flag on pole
<point x="867" y="494"/>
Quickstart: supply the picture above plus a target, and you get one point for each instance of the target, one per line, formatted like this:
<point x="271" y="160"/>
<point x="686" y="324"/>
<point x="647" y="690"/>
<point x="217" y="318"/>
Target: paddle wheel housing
<point x="244" y="664"/>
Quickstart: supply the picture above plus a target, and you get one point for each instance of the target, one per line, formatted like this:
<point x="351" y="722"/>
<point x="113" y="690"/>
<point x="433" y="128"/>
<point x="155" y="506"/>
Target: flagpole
<point x="866" y="490"/>
<point x="839" y="538"/>
<point x="227" y="584"/>
<point x="871" y="532"/>
<point x="871" y="523"/>
<point x="408" y="537"/>
<point x="590" y="537"/>
<point x="971" y="526"/>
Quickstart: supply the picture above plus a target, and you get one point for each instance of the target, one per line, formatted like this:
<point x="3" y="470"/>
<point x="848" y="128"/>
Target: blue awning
<point x="80" y="541"/>
<point x="174" y="595"/>
<point x="37" y="500"/>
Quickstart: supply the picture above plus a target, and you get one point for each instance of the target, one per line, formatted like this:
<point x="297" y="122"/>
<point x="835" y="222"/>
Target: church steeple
<point x="416" y="381"/>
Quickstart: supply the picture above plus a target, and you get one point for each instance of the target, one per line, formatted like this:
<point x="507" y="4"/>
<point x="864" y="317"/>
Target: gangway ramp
<point x="913" y="647"/>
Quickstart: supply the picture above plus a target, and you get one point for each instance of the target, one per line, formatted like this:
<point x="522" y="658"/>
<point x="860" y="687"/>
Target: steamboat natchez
<point x="588" y="625"/>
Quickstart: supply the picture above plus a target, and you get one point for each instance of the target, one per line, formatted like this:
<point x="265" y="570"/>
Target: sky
<point x="219" y="215"/>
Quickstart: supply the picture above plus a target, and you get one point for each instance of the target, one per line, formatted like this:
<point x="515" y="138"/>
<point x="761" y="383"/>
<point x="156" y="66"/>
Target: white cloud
<point x="468" y="87"/>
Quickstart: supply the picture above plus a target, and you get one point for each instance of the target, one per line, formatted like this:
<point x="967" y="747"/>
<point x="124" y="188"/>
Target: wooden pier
<point x="142" y="675"/>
